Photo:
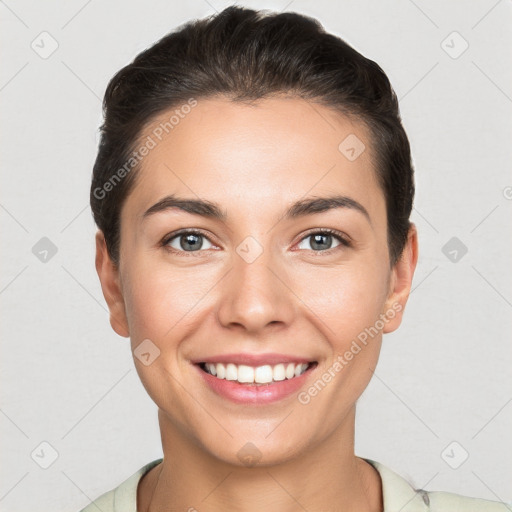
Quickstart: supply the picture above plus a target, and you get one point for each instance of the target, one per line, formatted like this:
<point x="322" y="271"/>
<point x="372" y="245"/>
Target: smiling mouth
<point x="259" y="375"/>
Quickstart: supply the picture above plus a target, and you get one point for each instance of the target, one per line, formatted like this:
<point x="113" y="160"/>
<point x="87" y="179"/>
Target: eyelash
<point x="344" y="241"/>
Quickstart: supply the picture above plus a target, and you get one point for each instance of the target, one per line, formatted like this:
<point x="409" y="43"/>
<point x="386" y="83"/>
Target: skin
<point x="293" y="299"/>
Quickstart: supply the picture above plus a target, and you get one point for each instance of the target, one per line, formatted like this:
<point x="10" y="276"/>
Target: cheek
<point x="158" y="300"/>
<point x="161" y="301"/>
<point x="348" y="303"/>
<point x="346" y="300"/>
<point x="160" y="308"/>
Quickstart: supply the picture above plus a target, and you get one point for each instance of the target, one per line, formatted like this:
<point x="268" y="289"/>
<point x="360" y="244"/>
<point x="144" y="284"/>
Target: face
<point x="259" y="281"/>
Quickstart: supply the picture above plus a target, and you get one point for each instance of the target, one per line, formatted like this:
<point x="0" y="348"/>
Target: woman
<point x="252" y="191"/>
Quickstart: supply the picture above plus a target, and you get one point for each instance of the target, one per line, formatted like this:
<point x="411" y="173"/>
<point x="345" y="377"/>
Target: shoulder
<point x="122" y="498"/>
<point x="446" y="501"/>
<point x="105" y="503"/>
<point x="399" y="494"/>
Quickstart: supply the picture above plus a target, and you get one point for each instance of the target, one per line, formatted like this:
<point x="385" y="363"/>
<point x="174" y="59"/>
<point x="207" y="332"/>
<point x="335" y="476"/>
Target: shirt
<point x="398" y="496"/>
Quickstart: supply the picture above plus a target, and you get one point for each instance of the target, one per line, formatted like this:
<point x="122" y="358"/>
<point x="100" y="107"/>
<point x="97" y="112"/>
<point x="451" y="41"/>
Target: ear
<point x="108" y="273"/>
<point x="401" y="281"/>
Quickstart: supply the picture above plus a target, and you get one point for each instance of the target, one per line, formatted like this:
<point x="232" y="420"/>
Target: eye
<point x="191" y="240"/>
<point x="322" y="240"/>
<point x="186" y="241"/>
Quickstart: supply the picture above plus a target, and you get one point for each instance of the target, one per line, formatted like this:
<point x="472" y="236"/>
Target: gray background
<point x="69" y="380"/>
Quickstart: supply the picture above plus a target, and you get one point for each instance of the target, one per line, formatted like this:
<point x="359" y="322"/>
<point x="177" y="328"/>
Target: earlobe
<point x="108" y="273"/>
<point x="401" y="281"/>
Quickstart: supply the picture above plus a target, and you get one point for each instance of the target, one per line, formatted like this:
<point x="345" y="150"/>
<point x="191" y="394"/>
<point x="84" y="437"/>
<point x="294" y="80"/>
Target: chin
<point x="256" y="448"/>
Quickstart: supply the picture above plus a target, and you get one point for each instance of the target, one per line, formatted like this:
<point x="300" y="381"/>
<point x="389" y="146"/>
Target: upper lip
<point x="253" y="359"/>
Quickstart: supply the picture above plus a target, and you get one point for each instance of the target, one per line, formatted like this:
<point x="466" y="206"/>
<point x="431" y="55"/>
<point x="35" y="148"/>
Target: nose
<point x="256" y="293"/>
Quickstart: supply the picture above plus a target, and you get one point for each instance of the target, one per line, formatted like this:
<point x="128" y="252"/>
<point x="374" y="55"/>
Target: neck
<point x="326" y="477"/>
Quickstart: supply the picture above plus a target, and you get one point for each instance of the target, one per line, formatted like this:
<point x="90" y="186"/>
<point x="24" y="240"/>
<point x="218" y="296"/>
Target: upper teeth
<point x="260" y="374"/>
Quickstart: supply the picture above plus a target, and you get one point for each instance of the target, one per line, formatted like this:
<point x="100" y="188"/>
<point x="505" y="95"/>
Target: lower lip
<point x="253" y="394"/>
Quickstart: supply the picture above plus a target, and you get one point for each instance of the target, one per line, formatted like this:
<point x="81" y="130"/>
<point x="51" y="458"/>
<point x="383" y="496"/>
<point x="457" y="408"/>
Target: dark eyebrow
<point x="309" y="206"/>
<point x="195" y="206"/>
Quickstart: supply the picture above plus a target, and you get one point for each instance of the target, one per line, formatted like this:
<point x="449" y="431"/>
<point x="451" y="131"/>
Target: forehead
<point x="271" y="151"/>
